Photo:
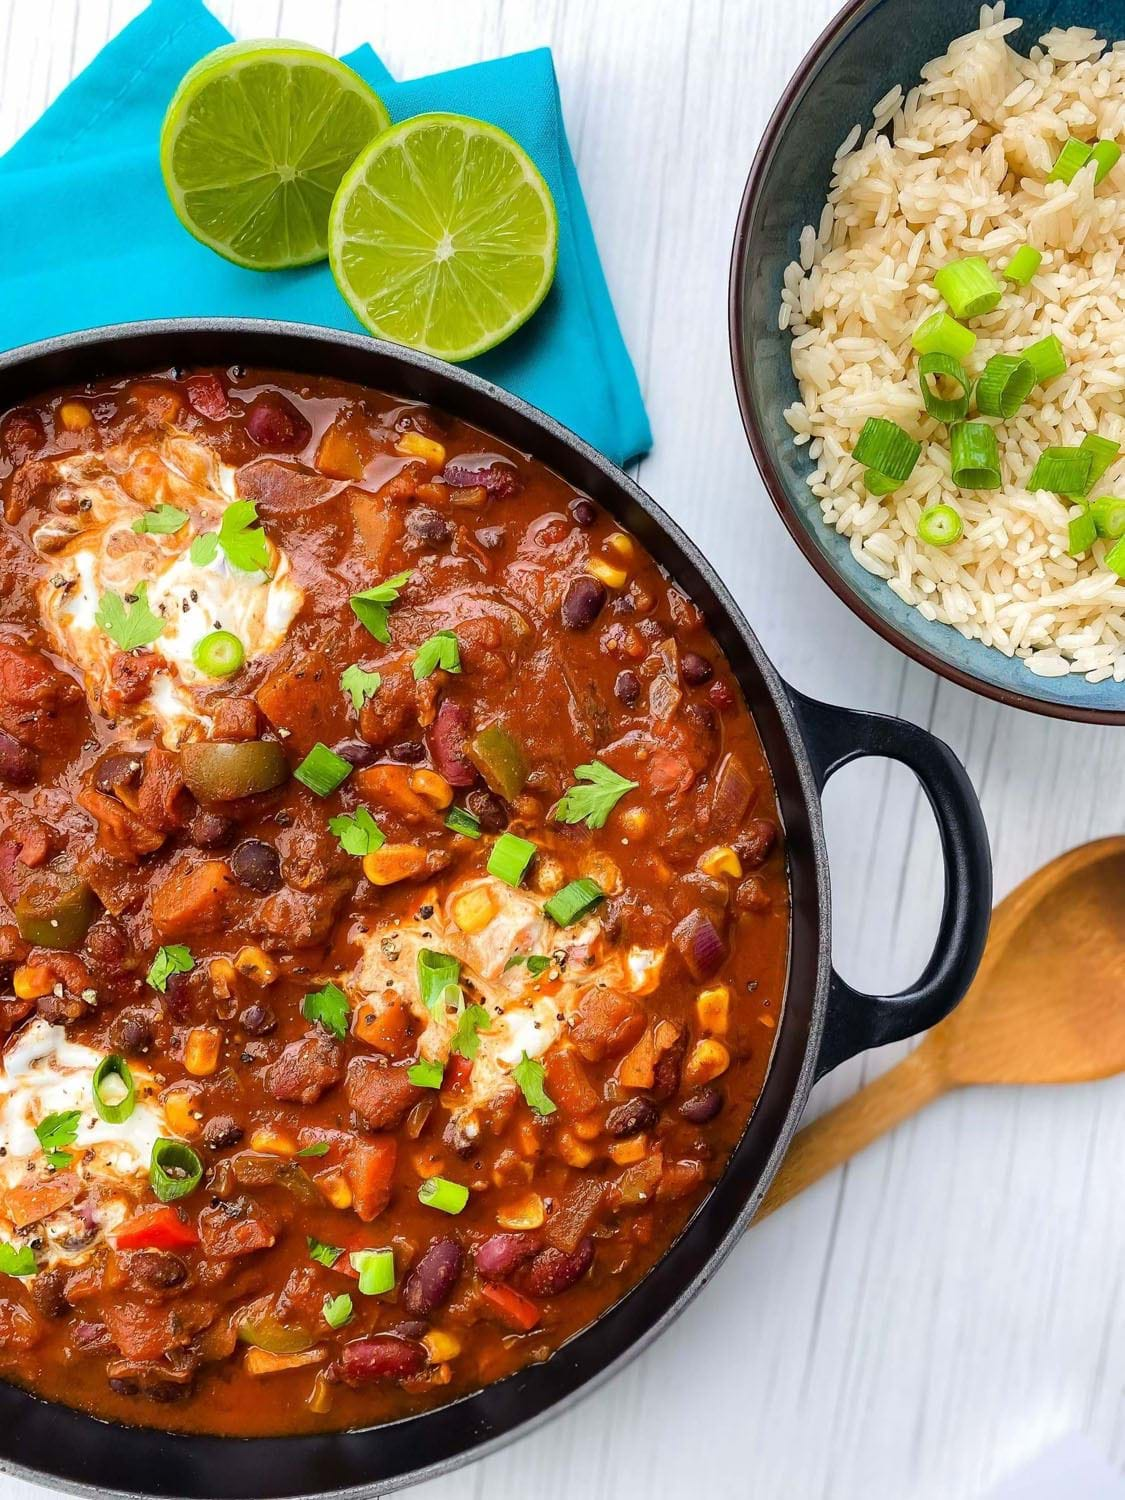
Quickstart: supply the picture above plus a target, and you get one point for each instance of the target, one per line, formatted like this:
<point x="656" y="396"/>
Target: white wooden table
<point x="953" y="1301"/>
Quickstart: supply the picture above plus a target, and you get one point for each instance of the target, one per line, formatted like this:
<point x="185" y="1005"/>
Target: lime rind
<point x="254" y="144"/>
<point x="443" y="236"/>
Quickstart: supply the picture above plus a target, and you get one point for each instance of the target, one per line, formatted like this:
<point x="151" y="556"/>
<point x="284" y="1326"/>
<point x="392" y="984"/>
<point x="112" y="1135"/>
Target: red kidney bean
<point x="752" y="895"/>
<point x="627" y="688"/>
<point x="383" y="1357"/>
<point x="470" y="471"/>
<point x="257" y="866"/>
<point x="755" y="844"/>
<point x="206" y="396"/>
<point x="447" y="744"/>
<point x="721" y="696"/>
<point x="276" y="424"/>
<point x="702" y="1106"/>
<point x="584" y="512"/>
<point x="555" y="1271"/>
<point x="632" y="1117"/>
<point x="433" y="1278"/>
<point x="18" y="766"/>
<point x="695" y="669"/>
<point x="582" y="602"/>
<point x="489" y="811"/>
<point x="501" y="1254"/>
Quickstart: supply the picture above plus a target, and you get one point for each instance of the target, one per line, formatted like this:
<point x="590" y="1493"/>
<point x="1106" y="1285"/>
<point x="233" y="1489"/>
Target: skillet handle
<point x="854" y="1021"/>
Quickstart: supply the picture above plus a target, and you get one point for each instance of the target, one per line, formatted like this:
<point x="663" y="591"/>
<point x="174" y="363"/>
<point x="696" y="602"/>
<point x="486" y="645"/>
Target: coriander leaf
<point x="132" y="626"/>
<point x="245" y="543"/>
<point x="204" y="549"/>
<point x="175" y="959"/>
<point x="592" y="804"/>
<point x="17" y="1260"/>
<point x="370" y="607"/>
<point x="359" y="685"/>
<point x="441" y="650"/>
<point x="358" y="832"/>
<point x="437" y="973"/>
<point x="318" y="1148"/>
<point x="426" y="1074"/>
<point x="338" y="1310"/>
<point x="56" y="1131"/>
<point x="530" y="1073"/>
<point x="324" y="1254"/>
<point x="331" y="1007"/>
<point x="537" y="963"/>
<point x="465" y="1041"/>
<point x="162" y="521"/>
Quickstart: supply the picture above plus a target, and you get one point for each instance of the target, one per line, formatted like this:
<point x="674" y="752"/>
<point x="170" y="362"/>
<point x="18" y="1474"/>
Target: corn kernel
<point x="394" y="862"/>
<point x="320" y="1398"/>
<point x="432" y="787"/>
<point x="548" y="875"/>
<point x="621" y="544"/>
<point x="625" y="1153"/>
<point x="222" y="974"/>
<point x="609" y="573"/>
<point x="603" y="870"/>
<point x="572" y="1151"/>
<point x="709" y="1058"/>
<point x="32" y="981"/>
<point x="473" y="910"/>
<point x="178" y="1112"/>
<point x="722" y="860"/>
<point x="256" y="965"/>
<point x="441" y="1345"/>
<point x="74" y="416"/>
<point x="439" y="1374"/>
<point x="336" y="1188"/>
<point x="427" y="1164"/>
<point x="272" y="1142"/>
<point x="417" y="446"/>
<point x="588" y="1128"/>
<point x="635" y="822"/>
<point x="528" y="1140"/>
<point x="201" y="1054"/>
<point x="527" y="1212"/>
<point x="712" y="1006"/>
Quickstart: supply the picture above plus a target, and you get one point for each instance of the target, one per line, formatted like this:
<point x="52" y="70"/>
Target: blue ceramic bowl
<point x="869" y="47"/>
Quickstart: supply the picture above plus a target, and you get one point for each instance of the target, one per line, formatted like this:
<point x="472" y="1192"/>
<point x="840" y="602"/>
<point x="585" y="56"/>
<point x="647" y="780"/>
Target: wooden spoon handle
<point x="854" y="1124"/>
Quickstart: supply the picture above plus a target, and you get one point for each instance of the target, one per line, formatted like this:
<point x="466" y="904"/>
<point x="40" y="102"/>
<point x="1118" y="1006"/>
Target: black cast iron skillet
<point x="823" y="1021"/>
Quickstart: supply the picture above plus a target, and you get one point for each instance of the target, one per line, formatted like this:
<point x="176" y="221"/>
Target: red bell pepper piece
<point x="369" y="1169"/>
<point x="518" y="1311"/>
<point x="156" y="1229"/>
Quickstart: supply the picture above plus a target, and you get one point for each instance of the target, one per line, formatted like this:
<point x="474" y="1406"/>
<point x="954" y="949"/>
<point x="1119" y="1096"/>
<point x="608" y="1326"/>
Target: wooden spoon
<point x="1047" y="1006"/>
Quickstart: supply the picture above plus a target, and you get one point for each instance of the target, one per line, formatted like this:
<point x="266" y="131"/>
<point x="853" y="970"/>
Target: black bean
<point x="156" y="1270"/>
<point x="702" y="1106"/>
<point x="257" y="866"/>
<point x="48" y="1292"/>
<point x="131" y="1030"/>
<point x="433" y="1278"/>
<point x="632" y="1117"/>
<point x="357" y="753"/>
<point x="18" y="766"/>
<point x="755" y="844"/>
<point x="210" y="830"/>
<point x="702" y="714"/>
<point x="425" y="524"/>
<point x="410" y="752"/>
<point x="116" y="771"/>
<point x="258" y="1020"/>
<point x="695" y="669"/>
<point x="222" y="1131"/>
<point x="582" y="602"/>
<point x="583" y="512"/>
<point x="489" y="811"/>
<point x="627" y="688"/>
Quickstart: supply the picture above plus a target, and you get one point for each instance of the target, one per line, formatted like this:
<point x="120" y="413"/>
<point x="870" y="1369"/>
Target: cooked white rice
<point x="957" y="167"/>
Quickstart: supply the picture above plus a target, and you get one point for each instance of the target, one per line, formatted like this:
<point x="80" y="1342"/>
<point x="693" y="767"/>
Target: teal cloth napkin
<point x="90" y="238"/>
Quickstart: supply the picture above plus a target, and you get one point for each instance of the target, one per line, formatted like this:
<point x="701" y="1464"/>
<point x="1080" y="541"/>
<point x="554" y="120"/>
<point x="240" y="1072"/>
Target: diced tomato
<point x="370" y="1167"/>
<point x="457" y="1071"/>
<point x="156" y="1229"/>
<point x="206" y="394"/>
<point x="519" y="1312"/>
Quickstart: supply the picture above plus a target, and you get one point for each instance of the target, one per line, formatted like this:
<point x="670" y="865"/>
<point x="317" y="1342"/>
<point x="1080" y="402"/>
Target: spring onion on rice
<point x="969" y="287"/>
<point x="941" y="334"/>
<point x="1005" y="384"/>
<point x="974" y="456"/>
<point x="1023" y="265"/>
<point x="944" y="366"/>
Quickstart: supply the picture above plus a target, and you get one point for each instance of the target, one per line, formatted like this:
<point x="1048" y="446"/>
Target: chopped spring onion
<point x="944" y="367"/>
<point x="510" y="858"/>
<point x="174" y="1170"/>
<point x="115" y="1093"/>
<point x="338" y="1310"/>
<point x="968" y="286"/>
<point x="426" y="1074"/>
<point x="1103" y="451"/>
<point x="1115" y="558"/>
<point x="1106" y="154"/>
<point x="974" y="456"/>
<point x="941" y="334"/>
<point x="940" y="526"/>
<point x="1108" y="515"/>
<point x="219" y="654"/>
<point x="322" y="770"/>
<point x="457" y="820"/>
<point x="1046" y="358"/>
<point x="438" y="974"/>
<point x="884" y="448"/>
<point x="878" y="484"/>
<point x="376" y="1270"/>
<point x="439" y="1192"/>
<point x="1005" y="384"/>
<point x="1063" y="471"/>
<point x="1023" y="264"/>
<point x="573" y="902"/>
<point x="1081" y="533"/>
<point x="1070" y="160"/>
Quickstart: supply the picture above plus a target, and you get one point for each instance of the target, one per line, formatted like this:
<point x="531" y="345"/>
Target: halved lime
<point x="443" y="236"/>
<point x="254" y="144"/>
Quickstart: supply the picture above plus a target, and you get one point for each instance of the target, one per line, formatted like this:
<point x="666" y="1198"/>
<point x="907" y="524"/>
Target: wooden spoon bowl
<point x="1047" y="1006"/>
